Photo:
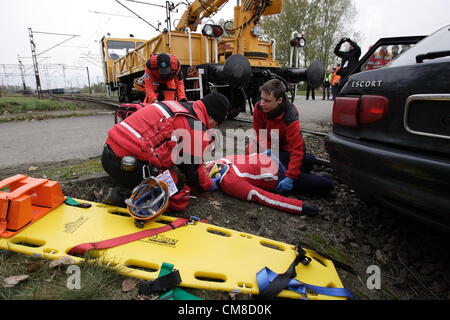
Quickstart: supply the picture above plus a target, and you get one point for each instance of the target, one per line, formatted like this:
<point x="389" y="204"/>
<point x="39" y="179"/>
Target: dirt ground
<point x="413" y="257"/>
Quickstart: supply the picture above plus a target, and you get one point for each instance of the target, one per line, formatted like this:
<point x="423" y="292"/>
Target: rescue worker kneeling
<point x="274" y="115"/>
<point x="150" y="136"/>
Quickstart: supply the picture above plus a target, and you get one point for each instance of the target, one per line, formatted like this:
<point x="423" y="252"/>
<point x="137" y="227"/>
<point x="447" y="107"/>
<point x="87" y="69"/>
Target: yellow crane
<point x="236" y="62"/>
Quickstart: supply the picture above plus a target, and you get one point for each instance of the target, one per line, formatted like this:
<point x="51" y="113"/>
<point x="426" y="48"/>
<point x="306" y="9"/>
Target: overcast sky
<point x="376" y="19"/>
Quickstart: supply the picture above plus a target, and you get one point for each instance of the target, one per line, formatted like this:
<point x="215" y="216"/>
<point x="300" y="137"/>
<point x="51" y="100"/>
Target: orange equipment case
<point x="24" y="200"/>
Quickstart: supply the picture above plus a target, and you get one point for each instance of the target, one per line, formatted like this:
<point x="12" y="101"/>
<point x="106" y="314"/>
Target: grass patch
<point x="98" y="281"/>
<point x="320" y="244"/>
<point x="74" y="171"/>
<point x="16" y="105"/>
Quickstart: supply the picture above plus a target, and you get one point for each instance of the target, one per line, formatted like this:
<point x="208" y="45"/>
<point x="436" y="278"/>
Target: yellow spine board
<point x="207" y="256"/>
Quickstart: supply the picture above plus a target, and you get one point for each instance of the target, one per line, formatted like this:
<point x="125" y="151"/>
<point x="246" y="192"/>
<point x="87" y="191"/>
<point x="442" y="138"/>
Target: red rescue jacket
<point x="166" y="90"/>
<point x="151" y="135"/>
<point x="379" y="59"/>
<point x="286" y="120"/>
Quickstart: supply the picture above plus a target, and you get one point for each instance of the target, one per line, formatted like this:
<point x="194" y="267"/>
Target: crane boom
<point x="198" y="10"/>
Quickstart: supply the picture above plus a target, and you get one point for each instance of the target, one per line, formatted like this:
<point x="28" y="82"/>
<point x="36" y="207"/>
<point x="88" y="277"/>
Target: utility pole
<point x="5" y="74"/>
<point x="35" y="64"/>
<point x="89" y="80"/>
<point x="34" y="54"/>
<point x="22" y="74"/>
<point x="64" y="75"/>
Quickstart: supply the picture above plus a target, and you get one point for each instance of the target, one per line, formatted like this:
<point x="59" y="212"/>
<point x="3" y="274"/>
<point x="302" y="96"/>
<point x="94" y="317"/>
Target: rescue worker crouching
<point x="275" y="113"/>
<point x="163" y="79"/>
<point x="149" y="135"/>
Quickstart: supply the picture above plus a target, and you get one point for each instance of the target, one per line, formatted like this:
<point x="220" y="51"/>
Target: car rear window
<point x="438" y="41"/>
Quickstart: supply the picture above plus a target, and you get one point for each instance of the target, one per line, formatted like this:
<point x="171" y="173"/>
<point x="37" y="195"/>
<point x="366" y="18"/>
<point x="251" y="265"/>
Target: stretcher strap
<point x="166" y="285"/>
<point x="266" y="279"/>
<point x="160" y="285"/>
<point x="114" y="242"/>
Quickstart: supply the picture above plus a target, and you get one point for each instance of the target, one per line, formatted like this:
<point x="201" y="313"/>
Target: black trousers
<point x="335" y="91"/>
<point x="327" y="90"/>
<point x="112" y="165"/>
<point x="313" y="94"/>
<point x="308" y="183"/>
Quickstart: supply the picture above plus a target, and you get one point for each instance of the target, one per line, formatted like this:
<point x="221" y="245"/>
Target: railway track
<point x="100" y="100"/>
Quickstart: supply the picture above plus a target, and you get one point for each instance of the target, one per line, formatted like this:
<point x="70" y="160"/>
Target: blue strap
<point x="265" y="276"/>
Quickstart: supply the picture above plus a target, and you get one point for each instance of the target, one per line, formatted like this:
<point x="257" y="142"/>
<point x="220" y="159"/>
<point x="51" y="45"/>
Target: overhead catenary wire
<point x="113" y="14"/>
<point x="147" y="3"/>
<point x="157" y="29"/>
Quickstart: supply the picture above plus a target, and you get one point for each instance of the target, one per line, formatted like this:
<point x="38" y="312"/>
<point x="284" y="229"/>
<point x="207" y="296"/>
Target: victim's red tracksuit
<point x="252" y="177"/>
<point x="285" y="119"/>
<point x="149" y="135"/>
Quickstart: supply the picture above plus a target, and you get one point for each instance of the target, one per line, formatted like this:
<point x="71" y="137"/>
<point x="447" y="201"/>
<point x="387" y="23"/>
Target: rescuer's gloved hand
<point x="310" y="210"/>
<point x="287" y="184"/>
<point x="184" y="100"/>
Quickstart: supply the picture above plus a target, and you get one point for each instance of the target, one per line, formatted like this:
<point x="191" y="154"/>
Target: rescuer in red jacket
<point x="253" y="178"/>
<point x="275" y="113"/>
<point x="163" y="79"/>
<point x="153" y="135"/>
<point x="379" y="59"/>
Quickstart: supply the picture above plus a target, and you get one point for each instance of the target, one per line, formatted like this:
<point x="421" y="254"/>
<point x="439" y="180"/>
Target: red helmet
<point x="163" y="66"/>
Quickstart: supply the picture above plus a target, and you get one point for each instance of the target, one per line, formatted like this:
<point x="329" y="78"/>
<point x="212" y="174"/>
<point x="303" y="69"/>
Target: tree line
<point x="322" y="22"/>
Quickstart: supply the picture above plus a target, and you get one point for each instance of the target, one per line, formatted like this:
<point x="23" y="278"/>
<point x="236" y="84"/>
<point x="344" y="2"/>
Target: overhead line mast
<point x="34" y="55"/>
<point x="35" y="63"/>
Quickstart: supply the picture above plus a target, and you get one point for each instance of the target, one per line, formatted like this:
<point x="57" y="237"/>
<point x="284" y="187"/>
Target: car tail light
<point x="372" y="108"/>
<point x="345" y="111"/>
<point x="352" y="112"/>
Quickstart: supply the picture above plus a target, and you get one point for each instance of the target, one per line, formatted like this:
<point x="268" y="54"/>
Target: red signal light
<point x="212" y="30"/>
<point x="217" y="31"/>
<point x="298" y="42"/>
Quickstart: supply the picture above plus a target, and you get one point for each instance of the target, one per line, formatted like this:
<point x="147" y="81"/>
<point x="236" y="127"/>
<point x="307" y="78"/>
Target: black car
<point x="391" y="127"/>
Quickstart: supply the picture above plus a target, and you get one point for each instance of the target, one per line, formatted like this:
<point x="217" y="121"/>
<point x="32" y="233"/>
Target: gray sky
<point x="376" y="19"/>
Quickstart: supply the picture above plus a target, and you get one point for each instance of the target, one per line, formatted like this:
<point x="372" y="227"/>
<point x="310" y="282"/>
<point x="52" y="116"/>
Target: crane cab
<point x="113" y="49"/>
